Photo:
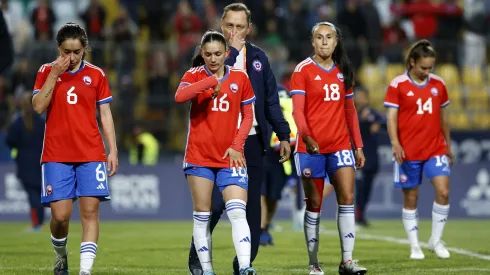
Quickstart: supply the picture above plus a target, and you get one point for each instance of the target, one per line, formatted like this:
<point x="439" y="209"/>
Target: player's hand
<point x="60" y="65"/>
<point x="398" y="153"/>
<point x="236" y="158"/>
<point x="235" y="41"/>
<point x="216" y="91"/>
<point x="285" y="151"/>
<point x="112" y="163"/>
<point x="311" y="145"/>
<point x="360" y="158"/>
<point x="450" y="155"/>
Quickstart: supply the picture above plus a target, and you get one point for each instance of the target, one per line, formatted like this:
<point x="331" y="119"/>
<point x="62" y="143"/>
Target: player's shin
<point x="59" y="246"/>
<point x="202" y="239"/>
<point x="88" y="251"/>
<point x="347" y="230"/>
<point x="236" y="211"/>
<point x="312" y="221"/>
<point x="439" y="218"/>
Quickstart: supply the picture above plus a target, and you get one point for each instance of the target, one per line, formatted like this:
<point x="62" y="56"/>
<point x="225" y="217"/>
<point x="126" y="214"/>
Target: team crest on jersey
<point x="403" y="178"/>
<point x="87" y="80"/>
<point x="434" y="91"/>
<point x="234" y="87"/>
<point x="307" y="172"/>
<point x="257" y="65"/>
<point x="340" y="76"/>
<point x="49" y="189"/>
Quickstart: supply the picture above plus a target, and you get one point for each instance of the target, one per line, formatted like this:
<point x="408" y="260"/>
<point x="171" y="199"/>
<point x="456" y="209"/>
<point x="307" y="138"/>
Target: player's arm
<point x="41" y="100"/>
<point x="445" y="128"/>
<point x="353" y="122"/>
<point x="187" y="91"/>
<point x="392" y="117"/>
<point x="109" y="132"/>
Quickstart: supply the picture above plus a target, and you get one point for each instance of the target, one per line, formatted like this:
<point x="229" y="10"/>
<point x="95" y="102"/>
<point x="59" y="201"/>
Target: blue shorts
<point x="409" y="173"/>
<point x="323" y="165"/>
<point x="64" y="181"/>
<point x="222" y="177"/>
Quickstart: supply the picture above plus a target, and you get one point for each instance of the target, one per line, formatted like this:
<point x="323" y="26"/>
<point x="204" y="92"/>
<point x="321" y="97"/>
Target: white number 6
<point x="100" y="174"/>
<point x="71" y="97"/>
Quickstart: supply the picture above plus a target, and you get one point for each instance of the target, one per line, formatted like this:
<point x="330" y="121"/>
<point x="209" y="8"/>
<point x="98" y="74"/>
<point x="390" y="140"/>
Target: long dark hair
<point x="339" y="56"/>
<point x="421" y="48"/>
<point x="73" y="31"/>
<point x="209" y="36"/>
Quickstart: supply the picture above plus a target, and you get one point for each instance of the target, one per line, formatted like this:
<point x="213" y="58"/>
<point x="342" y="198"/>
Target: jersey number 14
<point x="424" y="107"/>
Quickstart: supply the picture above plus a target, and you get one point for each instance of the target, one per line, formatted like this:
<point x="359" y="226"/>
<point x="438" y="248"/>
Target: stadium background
<point x="145" y="47"/>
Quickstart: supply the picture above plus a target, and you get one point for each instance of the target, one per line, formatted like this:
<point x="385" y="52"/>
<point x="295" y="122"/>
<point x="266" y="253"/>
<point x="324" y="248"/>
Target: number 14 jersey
<point x="324" y="105"/>
<point x="72" y="133"/>
<point x="419" y="115"/>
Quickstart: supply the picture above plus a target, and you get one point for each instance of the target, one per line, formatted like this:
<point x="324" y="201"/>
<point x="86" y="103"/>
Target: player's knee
<point x="442" y="196"/>
<point x="345" y="198"/>
<point x="314" y="204"/>
<point x="61" y="217"/>
<point x="89" y="214"/>
<point x="237" y="215"/>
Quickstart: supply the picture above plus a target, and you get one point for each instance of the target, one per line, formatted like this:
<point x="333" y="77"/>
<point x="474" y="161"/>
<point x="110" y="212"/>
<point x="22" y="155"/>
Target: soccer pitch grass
<point x="162" y="248"/>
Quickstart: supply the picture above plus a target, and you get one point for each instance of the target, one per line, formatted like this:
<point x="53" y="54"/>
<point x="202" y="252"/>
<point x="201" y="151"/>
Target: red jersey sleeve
<point x="298" y="84"/>
<point x="190" y="87"/>
<point x="248" y="95"/>
<point x="104" y="94"/>
<point x="444" y="97"/>
<point x="392" y="96"/>
<point x="41" y="77"/>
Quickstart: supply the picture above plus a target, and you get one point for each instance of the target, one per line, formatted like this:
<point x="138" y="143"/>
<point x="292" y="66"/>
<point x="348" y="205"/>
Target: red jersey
<point x="419" y="115"/>
<point x="324" y="105"/>
<point x="72" y="133"/>
<point x="214" y="122"/>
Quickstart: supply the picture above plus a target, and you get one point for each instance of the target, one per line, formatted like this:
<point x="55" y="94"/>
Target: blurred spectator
<point x="374" y="32"/>
<point x="144" y="147"/>
<point x="394" y="40"/>
<point x="23" y="77"/>
<point x="42" y="20"/>
<point x="158" y="78"/>
<point x="474" y="37"/>
<point x="449" y="33"/>
<point x="188" y="27"/>
<point x="6" y="48"/>
<point x="293" y="29"/>
<point x="354" y="26"/>
<point x="94" y="19"/>
<point x="123" y="33"/>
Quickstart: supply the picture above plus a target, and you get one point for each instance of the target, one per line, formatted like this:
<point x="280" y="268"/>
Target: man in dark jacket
<point x="236" y="24"/>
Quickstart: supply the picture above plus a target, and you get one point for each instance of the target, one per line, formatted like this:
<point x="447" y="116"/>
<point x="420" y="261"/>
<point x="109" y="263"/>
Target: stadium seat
<point x="393" y="70"/>
<point x="370" y="75"/>
<point x="449" y="73"/>
<point x="477" y="100"/>
<point x="473" y="77"/>
<point x="455" y="97"/>
<point x="458" y="120"/>
<point x="482" y="120"/>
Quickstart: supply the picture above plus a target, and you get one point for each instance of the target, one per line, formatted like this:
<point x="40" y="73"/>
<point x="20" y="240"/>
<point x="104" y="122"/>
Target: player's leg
<point x="233" y="184"/>
<point x="311" y="168"/>
<point x="408" y="176"/>
<point x="37" y="210"/>
<point x="363" y="193"/>
<point x="58" y="192"/>
<point x="92" y="187"/>
<point x="201" y="182"/>
<point x="437" y="170"/>
<point x="340" y="169"/>
<point x="265" y="237"/>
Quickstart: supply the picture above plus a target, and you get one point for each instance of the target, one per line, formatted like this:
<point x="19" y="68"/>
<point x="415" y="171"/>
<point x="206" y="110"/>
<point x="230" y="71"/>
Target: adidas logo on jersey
<point x="59" y="79"/>
<point x="410" y="93"/>
<point x="101" y="186"/>
<point x="318" y="77"/>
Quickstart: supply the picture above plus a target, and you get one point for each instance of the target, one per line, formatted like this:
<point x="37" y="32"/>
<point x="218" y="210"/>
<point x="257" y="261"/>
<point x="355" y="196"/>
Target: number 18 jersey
<point x="72" y="133"/>
<point x="419" y="115"/>
<point x="324" y="105"/>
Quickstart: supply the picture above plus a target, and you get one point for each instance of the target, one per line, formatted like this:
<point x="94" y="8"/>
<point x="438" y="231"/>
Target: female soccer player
<point x="324" y="112"/>
<point x="421" y="143"/>
<point x="218" y="94"/>
<point x="74" y="158"/>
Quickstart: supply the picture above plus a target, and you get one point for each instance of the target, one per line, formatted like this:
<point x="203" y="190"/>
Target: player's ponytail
<point x="209" y="36"/>
<point x="421" y="48"/>
<point x="73" y="31"/>
<point x="339" y="56"/>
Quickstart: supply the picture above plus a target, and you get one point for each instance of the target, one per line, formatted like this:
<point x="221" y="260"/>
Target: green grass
<point x="162" y="248"/>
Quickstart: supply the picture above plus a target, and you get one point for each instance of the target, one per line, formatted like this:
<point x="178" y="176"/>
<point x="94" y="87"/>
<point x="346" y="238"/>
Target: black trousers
<point x="33" y="190"/>
<point x="254" y="156"/>
<point x="363" y="190"/>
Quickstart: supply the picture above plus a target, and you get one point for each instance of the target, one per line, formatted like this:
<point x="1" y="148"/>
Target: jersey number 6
<point x="71" y="97"/>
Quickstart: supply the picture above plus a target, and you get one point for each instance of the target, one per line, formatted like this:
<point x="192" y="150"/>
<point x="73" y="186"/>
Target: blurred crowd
<point x="145" y="46"/>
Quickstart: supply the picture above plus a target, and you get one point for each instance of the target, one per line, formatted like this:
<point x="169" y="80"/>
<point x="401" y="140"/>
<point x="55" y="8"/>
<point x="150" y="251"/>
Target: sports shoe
<point x="416" y="253"/>
<point x="315" y="269"/>
<point x="248" y="271"/>
<point x="84" y="273"/>
<point x="209" y="273"/>
<point x="351" y="268"/>
<point x="439" y="248"/>
<point x="193" y="263"/>
<point x="61" y="266"/>
<point x="265" y="238"/>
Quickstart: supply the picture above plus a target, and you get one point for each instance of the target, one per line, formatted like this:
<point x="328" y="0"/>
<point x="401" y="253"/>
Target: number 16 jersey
<point x="324" y="105"/>
<point x="72" y="133"/>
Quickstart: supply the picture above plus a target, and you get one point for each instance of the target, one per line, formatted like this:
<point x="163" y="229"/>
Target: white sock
<point x="88" y="250"/>
<point x="59" y="246"/>
<point x="411" y="223"/>
<point x="311" y="227"/>
<point x="439" y="219"/>
<point x="347" y="230"/>
<point x="202" y="239"/>
<point x="236" y="211"/>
